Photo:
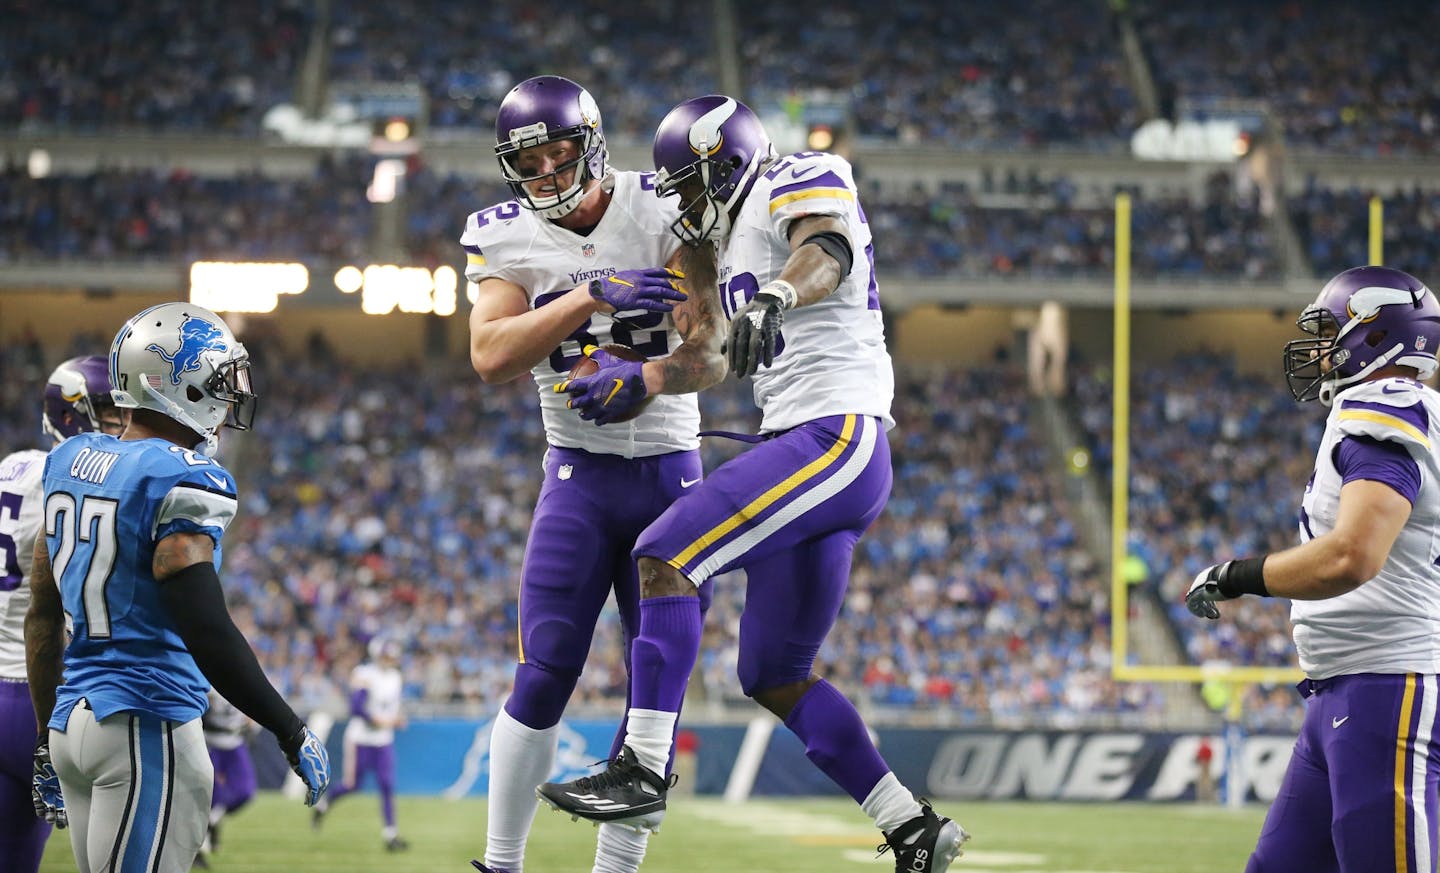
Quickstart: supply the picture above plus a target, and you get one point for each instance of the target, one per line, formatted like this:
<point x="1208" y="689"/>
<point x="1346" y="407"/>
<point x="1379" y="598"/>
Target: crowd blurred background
<point x="990" y="142"/>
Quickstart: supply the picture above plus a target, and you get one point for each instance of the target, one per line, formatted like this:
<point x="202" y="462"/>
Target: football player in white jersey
<point x="576" y="260"/>
<point x="796" y="271"/>
<point x="1360" y="792"/>
<point x="77" y="400"/>
<point x="376" y="688"/>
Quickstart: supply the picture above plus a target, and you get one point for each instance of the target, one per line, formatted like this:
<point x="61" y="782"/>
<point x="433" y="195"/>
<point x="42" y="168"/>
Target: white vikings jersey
<point x="831" y="357"/>
<point x="381" y="687"/>
<point x="1391" y="624"/>
<point x="512" y="243"/>
<point x="21" y="512"/>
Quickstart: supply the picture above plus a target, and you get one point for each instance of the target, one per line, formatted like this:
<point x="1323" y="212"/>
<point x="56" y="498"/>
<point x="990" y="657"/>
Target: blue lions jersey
<point x="107" y="503"/>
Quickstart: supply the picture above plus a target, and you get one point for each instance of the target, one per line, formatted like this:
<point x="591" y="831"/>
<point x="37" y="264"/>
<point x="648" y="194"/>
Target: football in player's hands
<point x="588" y="366"/>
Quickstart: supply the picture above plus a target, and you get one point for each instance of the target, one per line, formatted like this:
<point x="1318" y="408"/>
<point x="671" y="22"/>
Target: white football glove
<point x="1205" y="591"/>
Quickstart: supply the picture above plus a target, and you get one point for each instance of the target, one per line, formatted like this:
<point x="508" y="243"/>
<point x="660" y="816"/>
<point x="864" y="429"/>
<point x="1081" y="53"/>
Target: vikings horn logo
<point x="197" y="336"/>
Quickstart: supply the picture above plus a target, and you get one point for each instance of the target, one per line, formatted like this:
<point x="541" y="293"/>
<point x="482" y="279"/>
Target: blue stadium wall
<point x="450" y="757"/>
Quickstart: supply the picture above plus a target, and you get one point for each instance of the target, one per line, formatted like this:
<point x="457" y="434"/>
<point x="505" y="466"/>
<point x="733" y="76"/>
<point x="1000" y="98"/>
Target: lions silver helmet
<point x="182" y="361"/>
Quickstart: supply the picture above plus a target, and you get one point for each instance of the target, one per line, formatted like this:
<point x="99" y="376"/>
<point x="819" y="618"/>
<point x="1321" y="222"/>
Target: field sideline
<point x="273" y="835"/>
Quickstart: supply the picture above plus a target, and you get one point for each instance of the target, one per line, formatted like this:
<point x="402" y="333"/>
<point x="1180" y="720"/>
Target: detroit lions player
<point x="795" y="251"/>
<point x="129" y="550"/>
<point x="375" y="696"/>
<point x="573" y="262"/>
<point x="76" y="400"/>
<point x="1360" y="790"/>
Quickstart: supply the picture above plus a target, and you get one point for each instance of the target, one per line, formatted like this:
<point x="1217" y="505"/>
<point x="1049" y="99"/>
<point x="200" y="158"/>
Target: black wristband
<point x="1243" y="576"/>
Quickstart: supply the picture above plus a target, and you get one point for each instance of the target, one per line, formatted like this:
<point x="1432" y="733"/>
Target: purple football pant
<point x="1359" y="795"/>
<point x="234" y="777"/>
<point x="22" y="834"/>
<point x="789" y="511"/>
<point x="360" y="760"/>
<point x="589" y="513"/>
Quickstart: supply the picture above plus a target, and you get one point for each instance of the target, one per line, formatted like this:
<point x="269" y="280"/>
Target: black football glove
<point x="753" y="333"/>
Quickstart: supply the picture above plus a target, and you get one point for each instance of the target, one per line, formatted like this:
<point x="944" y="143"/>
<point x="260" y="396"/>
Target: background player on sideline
<point x="376" y="689"/>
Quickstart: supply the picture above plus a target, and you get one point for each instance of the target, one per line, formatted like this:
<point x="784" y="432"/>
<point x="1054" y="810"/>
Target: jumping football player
<point x="797" y="276"/>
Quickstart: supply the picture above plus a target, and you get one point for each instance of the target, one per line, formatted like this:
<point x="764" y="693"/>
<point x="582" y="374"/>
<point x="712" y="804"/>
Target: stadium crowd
<point x="1336" y="77"/>
<point x="140" y="215"/>
<point x="1029" y="74"/>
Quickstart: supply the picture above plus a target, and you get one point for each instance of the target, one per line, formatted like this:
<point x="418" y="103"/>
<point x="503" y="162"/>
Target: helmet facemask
<point x="704" y="215"/>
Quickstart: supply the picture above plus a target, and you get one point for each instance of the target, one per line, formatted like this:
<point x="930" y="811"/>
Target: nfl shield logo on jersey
<point x="566" y="470"/>
<point x="588" y="250"/>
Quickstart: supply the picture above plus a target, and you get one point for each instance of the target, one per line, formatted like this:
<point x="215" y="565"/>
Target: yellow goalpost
<point x="1121" y="668"/>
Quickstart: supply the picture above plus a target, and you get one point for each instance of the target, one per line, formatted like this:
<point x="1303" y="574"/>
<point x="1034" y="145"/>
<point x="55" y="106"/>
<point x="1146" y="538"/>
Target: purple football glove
<point x="610" y="394"/>
<point x="653" y="289"/>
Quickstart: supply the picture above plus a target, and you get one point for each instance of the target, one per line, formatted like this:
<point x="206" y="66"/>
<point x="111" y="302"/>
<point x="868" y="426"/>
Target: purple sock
<point x="664" y="652"/>
<point x="836" y="740"/>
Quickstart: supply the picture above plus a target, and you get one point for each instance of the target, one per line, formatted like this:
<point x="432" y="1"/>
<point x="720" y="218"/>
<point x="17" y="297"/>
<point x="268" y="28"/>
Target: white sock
<point x="619" y="849"/>
<point x="520" y="759"/>
<point x="890" y="804"/>
<point x="389" y="832"/>
<point x="649" y="734"/>
<point x="216" y="813"/>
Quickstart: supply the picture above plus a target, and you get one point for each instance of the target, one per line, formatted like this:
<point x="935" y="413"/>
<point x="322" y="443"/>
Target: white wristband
<point x="784" y="290"/>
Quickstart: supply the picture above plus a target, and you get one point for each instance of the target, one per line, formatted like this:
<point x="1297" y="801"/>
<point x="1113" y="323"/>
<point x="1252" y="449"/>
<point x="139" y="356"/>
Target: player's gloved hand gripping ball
<point x="607" y="386"/>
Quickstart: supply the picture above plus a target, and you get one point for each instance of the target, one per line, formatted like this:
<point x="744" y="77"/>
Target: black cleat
<point x="625" y="793"/>
<point x="396" y="844"/>
<point x="927" y="843"/>
<point x="483" y="869"/>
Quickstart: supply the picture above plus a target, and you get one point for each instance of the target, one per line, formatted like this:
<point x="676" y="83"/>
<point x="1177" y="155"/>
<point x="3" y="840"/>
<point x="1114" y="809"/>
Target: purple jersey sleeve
<point x="1384" y="461"/>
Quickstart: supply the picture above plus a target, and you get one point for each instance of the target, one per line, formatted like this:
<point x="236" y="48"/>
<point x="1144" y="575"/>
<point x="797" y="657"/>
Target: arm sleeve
<point x="197" y="606"/>
<point x="1384" y="461"/>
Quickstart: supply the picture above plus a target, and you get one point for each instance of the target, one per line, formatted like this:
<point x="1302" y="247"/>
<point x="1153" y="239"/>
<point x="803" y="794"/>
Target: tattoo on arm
<point x="697" y="363"/>
<point x="44" y="636"/>
<point x="180" y="550"/>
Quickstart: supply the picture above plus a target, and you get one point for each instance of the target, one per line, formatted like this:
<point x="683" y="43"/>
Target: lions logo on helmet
<point x="197" y="336"/>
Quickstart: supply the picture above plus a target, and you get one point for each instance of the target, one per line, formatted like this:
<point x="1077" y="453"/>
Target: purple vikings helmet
<point x="709" y="150"/>
<point x="75" y="396"/>
<point x="545" y="109"/>
<point x="1365" y="318"/>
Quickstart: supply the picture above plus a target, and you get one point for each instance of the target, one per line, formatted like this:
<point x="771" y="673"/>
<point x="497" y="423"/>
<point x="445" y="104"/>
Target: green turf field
<point x="273" y="835"/>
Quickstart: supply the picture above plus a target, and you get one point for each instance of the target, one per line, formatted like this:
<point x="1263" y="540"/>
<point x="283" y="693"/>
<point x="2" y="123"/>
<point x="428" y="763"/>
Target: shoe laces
<point x="619" y="773"/>
<point x="902" y="834"/>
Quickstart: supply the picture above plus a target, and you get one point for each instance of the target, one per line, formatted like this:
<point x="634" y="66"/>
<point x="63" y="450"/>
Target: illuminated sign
<point x="384" y="288"/>
<point x="226" y="286"/>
